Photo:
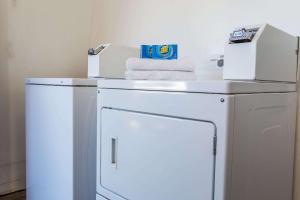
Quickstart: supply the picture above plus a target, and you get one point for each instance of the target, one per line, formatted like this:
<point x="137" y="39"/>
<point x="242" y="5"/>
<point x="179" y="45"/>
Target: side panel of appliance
<point x="49" y="139"/>
<point x="94" y="66"/>
<point x="263" y="149"/>
<point x="276" y="57"/>
<point x="85" y="130"/>
<point x="240" y="61"/>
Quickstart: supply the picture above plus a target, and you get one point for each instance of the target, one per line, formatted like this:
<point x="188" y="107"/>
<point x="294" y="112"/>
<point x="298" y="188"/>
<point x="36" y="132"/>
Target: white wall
<point x="37" y="39"/>
<point x="4" y="101"/>
<point x="200" y="27"/>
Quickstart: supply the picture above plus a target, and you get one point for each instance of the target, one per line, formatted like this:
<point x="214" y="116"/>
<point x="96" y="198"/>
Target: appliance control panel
<point x="243" y="35"/>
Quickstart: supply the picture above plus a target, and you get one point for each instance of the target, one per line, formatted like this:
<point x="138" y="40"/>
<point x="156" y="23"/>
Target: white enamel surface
<point x="184" y="105"/>
<point x="94" y="66"/>
<point x="49" y="136"/>
<point x="98" y="197"/>
<point x="61" y="142"/>
<point x="247" y="126"/>
<point x="270" y="56"/>
<point x="61" y="81"/>
<point x="263" y="156"/>
<point x="176" y="153"/>
<point x="218" y="87"/>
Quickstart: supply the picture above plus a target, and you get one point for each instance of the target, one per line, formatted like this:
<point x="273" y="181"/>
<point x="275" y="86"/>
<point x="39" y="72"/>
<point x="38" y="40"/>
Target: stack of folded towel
<point x="150" y="69"/>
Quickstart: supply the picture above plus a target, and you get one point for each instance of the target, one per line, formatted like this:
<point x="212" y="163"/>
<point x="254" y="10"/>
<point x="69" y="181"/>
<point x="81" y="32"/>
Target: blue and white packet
<point x="162" y="52"/>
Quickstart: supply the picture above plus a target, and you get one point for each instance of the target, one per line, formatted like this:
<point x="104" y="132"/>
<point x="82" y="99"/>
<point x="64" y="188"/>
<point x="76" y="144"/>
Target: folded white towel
<point x="157" y="65"/>
<point x="159" y="75"/>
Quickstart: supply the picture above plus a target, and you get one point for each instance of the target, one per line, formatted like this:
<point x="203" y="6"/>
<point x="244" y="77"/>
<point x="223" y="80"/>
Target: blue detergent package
<point x="163" y="52"/>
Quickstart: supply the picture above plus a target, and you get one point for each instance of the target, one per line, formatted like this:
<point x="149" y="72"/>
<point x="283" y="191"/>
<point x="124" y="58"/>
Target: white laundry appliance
<point x="61" y="139"/>
<point x="203" y="140"/>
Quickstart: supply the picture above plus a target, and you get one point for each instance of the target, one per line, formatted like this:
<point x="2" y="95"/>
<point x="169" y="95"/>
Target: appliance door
<point x="98" y="197"/>
<point x="145" y="156"/>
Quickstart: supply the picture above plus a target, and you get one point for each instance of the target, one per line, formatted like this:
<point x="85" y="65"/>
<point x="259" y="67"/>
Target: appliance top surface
<point x="62" y="81"/>
<point x="200" y="86"/>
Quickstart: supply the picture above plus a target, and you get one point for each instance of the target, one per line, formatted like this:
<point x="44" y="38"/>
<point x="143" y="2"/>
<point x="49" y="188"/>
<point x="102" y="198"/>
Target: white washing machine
<point x="61" y="139"/>
<point x="202" y="140"/>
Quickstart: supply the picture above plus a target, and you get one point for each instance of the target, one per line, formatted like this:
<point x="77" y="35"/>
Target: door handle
<point x="114" y="149"/>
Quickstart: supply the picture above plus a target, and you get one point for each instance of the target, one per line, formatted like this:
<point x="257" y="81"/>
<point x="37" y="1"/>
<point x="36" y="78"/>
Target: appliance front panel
<point x="98" y="197"/>
<point x="49" y="142"/>
<point x="142" y="153"/>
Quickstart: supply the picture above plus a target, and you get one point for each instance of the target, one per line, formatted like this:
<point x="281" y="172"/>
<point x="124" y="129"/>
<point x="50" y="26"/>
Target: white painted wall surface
<point x="6" y="178"/>
<point x="200" y="27"/>
<point x="37" y="39"/>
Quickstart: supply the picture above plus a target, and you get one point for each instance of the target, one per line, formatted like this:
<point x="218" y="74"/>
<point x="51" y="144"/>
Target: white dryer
<point x="202" y="140"/>
<point x="61" y="138"/>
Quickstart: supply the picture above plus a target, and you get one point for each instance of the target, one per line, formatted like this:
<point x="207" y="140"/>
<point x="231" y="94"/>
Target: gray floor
<point x="14" y="196"/>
